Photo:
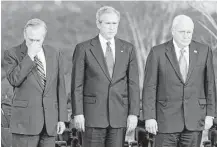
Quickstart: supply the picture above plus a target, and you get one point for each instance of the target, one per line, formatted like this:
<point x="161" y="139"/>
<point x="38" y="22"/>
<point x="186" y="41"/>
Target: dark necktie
<point x="109" y="58"/>
<point x="40" y="70"/>
<point x="183" y="64"/>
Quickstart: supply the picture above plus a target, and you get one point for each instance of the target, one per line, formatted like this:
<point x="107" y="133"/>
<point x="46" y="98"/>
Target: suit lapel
<point x="23" y="52"/>
<point x="49" y="66"/>
<point x="193" y="56"/>
<point x="97" y="52"/>
<point x="118" y="58"/>
<point x="171" y="55"/>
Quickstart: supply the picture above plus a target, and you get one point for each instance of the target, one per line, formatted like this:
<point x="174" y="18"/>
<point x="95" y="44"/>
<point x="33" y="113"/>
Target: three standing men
<point x="179" y="88"/>
<point x="39" y="105"/>
<point x="105" y="84"/>
<point x="178" y="93"/>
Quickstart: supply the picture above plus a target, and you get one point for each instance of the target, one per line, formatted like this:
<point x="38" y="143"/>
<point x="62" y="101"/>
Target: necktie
<point x="109" y="58"/>
<point x="183" y="64"/>
<point x="40" y="70"/>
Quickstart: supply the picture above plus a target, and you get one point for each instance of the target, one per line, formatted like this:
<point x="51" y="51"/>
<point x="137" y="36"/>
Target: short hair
<point x="34" y="23"/>
<point x="180" y="18"/>
<point x="106" y="9"/>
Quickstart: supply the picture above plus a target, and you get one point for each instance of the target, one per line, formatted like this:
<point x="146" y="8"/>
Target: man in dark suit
<point x="179" y="89"/>
<point x="39" y="104"/>
<point x="105" y="85"/>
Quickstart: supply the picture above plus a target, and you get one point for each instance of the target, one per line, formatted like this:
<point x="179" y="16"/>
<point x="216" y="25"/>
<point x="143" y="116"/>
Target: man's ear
<point x="98" y="24"/>
<point x="172" y="31"/>
<point x="24" y="34"/>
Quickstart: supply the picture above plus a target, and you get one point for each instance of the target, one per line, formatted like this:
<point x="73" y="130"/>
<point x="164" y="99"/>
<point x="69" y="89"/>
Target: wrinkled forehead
<point x="108" y="14"/>
<point x="35" y="30"/>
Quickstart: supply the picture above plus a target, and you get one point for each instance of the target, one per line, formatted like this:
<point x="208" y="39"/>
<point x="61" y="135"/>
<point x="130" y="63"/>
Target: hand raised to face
<point x="34" y="39"/>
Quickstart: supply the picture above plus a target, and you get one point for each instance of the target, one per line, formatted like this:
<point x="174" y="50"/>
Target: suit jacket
<point x="103" y="100"/>
<point x="34" y="106"/>
<point x="169" y="100"/>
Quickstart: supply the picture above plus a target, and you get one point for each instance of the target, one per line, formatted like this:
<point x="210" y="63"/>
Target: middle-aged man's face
<point x="108" y="25"/>
<point x="34" y="35"/>
<point x="182" y="33"/>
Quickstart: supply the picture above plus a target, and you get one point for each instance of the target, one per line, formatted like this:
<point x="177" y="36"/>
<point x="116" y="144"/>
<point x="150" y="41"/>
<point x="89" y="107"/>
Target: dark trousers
<point x="41" y="140"/>
<point x="182" y="139"/>
<point x="104" y="137"/>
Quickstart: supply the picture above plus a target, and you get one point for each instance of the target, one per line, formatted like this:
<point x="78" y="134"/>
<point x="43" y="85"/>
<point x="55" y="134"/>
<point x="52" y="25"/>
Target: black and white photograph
<point x="108" y="73"/>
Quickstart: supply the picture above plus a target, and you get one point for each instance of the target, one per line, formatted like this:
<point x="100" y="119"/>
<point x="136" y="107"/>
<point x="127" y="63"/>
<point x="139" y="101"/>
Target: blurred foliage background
<point x="143" y="23"/>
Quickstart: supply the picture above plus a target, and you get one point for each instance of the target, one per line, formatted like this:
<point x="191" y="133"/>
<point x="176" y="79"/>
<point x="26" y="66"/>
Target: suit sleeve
<point x="149" y="87"/>
<point x="16" y="70"/>
<point x="77" y="82"/>
<point x="62" y="90"/>
<point x="133" y="85"/>
<point x="210" y="86"/>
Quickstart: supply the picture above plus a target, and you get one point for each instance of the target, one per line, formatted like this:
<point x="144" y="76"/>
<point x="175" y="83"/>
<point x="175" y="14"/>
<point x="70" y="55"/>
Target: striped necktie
<point x="40" y="70"/>
<point x="109" y="58"/>
<point x="183" y="64"/>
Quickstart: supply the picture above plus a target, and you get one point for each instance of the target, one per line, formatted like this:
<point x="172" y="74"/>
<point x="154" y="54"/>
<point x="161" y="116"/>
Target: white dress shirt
<point x="41" y="57"/>
<point x="103" y="42"/>
<point x="178" y="53"/>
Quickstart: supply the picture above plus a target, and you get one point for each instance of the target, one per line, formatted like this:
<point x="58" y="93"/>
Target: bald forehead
<point x="182" y="20"/>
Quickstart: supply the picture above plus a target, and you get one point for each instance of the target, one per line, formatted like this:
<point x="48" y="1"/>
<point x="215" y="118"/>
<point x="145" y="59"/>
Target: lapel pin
<point x="195" y="51"/>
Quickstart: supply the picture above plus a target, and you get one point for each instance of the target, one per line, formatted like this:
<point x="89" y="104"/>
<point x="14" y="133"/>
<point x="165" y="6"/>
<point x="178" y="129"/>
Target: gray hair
<point x="180" y="18"/>
<point x="106" y="9"/>
<point x="34" y="23"/>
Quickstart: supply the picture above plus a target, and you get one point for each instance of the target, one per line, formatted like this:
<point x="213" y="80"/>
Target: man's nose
<point x="111" y="26"/>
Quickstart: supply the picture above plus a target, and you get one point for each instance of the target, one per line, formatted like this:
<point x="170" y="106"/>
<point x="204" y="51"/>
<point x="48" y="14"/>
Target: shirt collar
<point x="104" y="41"/>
